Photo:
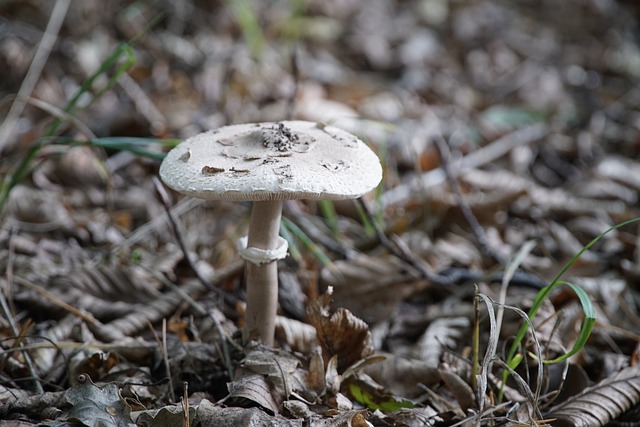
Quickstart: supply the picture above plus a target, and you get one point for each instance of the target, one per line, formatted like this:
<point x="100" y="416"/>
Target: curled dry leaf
<point x="168" y="416"/>
<point x="253" y="389"/>
<point x="340" y="334"/>
<point x="458" y="387"/>
<point x="315" y="379"/>
<point x="601" y="403"/>
<point x="19" y="401"/>
<point x="195" y="362"/>
<point x="96" y="365"/>
<point x="266" y="377"/>
<point x="299" y="336"/>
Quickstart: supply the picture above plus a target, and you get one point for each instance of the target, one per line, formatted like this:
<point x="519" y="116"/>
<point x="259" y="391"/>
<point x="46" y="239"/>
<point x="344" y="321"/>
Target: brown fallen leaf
<point x="340" y="334"/>
<point x="601" y="403"/>
<point x="266" y="378"/>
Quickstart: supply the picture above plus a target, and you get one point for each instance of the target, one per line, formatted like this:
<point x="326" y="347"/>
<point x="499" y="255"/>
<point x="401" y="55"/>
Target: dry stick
<point x="164" y="197"/>
<point x="39" y="59"/>
<point x="87" y="317"/>
<point x="165" y="358"/>
<point x="401" y="251"/>
<point x="14" y="327"/>
<point x="184" y="403"/>
<point x="487" y="154"/>
<point x="142" y="101"/>
<point x="152" y="226"/>
<point x="162" y="343"/>
<point x="476" y="228"/>
<point x="295" y="73"/>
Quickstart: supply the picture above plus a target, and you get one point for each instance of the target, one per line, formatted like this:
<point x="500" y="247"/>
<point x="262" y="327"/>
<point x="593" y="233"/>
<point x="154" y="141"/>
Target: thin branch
<point x="164" y="198"/>
<point x="401" y="251"/>
<point x="295" y="73"/>
<point x="39" y="59"/>
<point x="8" y="312"/>
<point x="476" y="228"/>
<point x="482" y="156"/>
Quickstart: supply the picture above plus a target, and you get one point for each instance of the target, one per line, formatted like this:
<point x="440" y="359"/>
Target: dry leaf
<point x="340" y="334"/>
<point x="210" y="415"/>
<point x="254" y="388"/>
<point x="403" y="376"/>
<point x="458" y="387"/>
<point x="601" y="403"/>
<point x="265" y="377"/>
<point x="301" y="337"/>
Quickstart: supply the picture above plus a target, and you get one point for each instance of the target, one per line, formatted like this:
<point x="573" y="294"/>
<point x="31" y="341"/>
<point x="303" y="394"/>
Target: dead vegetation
<point x="509" y="135"/>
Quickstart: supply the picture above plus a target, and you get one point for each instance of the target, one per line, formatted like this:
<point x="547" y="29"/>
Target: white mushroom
<point x="268" y="163"/>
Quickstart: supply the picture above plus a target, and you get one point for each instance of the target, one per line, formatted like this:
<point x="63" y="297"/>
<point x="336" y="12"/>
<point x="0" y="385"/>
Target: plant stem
<point x="262" y="280"/>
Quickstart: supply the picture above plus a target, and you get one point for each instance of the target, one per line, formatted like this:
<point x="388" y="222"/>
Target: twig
<point x="162" y="344"/>
<point x="184" y="402"/>
<point x="154" y="224"/>
<point x="87" y="317"/>
<point x="143" y="103"/>
<point x="476" y="228"/>
<point x="487" y="154"/>
<point x="14" y="327"/>
<point x="401" y="251"/>
<point x="164" y="198"/>
<point x="295" y="73"/>
<point x="165" y="358"/>
<point x="39" y="59"/>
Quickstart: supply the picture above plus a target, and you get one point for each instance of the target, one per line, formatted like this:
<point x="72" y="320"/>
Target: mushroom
<point x="268" y="163"/>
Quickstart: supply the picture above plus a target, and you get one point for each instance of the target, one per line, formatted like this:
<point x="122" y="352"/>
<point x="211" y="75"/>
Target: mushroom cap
<point x="272" y="161"/>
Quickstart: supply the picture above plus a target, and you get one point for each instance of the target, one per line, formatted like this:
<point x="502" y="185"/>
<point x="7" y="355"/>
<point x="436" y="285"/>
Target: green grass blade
<point x="369" y="229"/>
<point x="249" y="25"/>
<point x="587" y="307"/>
<point x="587" y="324"/>
<point x="294" y="250"/>
<point x="328" y="211"/>
<point x="20" y="171"/>
<point x="111" y="62"/>
<point x="138" y="146"/>
<point x="308" y="243"/>
<point x="545" y="291"/>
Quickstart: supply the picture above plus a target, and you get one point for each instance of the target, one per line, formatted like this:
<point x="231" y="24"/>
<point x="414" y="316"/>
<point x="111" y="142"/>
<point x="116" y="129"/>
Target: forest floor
<point x="503" y="233"/>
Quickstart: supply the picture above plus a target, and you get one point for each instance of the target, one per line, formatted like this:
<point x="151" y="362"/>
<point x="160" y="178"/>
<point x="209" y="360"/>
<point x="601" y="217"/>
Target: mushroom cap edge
<point x="272" y="161"/>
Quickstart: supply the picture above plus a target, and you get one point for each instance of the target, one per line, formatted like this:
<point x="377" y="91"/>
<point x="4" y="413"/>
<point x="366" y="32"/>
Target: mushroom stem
<point x="262" y="279"/>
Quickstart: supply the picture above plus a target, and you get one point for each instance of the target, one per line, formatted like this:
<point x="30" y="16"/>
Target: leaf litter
<point x="107" y="299"/>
